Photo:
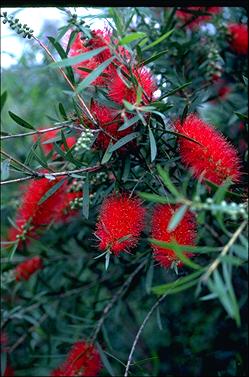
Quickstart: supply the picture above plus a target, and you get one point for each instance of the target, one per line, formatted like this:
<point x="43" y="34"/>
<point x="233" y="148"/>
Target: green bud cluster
<point x="17" y="26"/>
<point x="232" y="209"/>
<point x="84" y="141"/>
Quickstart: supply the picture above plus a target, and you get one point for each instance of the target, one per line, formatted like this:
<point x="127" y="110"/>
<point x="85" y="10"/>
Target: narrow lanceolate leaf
<point x="63" y="111"/>
<point x="86" y="199"/>
<point x="77" y="59"/>
<point x="5" y="169"/>
<point x="129" y="123"/>
<point x="4" y="96"/>
<point x="107" y="154"/>
<point x="181" y="282"/>
<point x="20" y="121"/>
<point x="51" y="191"/>
<point x="154" y="198"/>
<point x="153" y="58"/>
<point x="177" y="217"/>
<point x="167" y="181"/>
<point x="153" y="147"/>
<point x="105" y="361"/>
<point x="126" y="139"/>
<point x="159" y="40"/>
<point x="131" y="37"/>
<point x="188" y="262"/>
<point x="173" y="91"/>
<point x="94" y="74"/>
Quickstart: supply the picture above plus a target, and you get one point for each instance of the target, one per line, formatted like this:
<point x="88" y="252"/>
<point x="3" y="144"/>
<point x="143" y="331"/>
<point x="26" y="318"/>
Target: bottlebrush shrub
<point x="27" y="268"/>
<point x="120" y="223"/>
<point x="48" y="147"/>
<point x="82" y="360"/>
<point x="31" y="215"/>
<point x="120" y="90"/>
<point x="184" y="233"/>
<point x="100" y="38"/>
<point x="214" y="155"/>
<point x="196" y="20"/>
<point x="238" y="38"/>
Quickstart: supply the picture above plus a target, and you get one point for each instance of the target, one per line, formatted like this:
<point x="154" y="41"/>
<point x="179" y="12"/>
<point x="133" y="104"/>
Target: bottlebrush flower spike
<point x="119" y="91"/>
<point x="197" y="20"/>
<point x="27" y="268"/>
<point x="109" y="121"/>
<point x="239" y="38"/>
<point x="71" y="140"/>
<point x="215" y="156"/>
<point x="120" y="223"/>
<point x="184" y="233"/>
<point x="33" y="215"/>
<point x="83" y="360"/>
<point x="100" y="38"/>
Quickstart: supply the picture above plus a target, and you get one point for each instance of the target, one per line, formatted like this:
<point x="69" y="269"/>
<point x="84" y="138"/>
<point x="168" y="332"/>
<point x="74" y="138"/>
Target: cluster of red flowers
<point x="116" y="79"/>
<point x="193" y="20"/>
<point x="83" y="360"/>
<point x="27" y="268"/>
<point x="121" y="221"/>
<point x="34" y="213"/>
<point x="238" y="38"/>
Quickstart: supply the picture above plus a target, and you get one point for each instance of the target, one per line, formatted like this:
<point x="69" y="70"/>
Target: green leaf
<point x="153" y="197"/>
<point x="129" y="123"/>
<point x="3" y="362"/>
<point x="188" y="262"/>
<point x="107" y="154"/>
<point x="86" y="199"/>
<point x="4" y="96"/>
<point x="159" y="40"/>
<point x="153" y="146"/>
<point x="20" y="121"/>
<point x="52" y="190"/>
<point x="62" y="31"/>
<point x="153" y="58"/>
<point x="105" y="361"/>
<point x="67" y="62"/>
<point x="242" y="117"/>
<point x="129" y="106"/>
<point x="116" y="16"/>
<point x="63" y="55"/>
<point x="173" y="91"/>
<point x="149" y="277"/>
<point x="167" y="181"/>
<point x="62" y="111"/>
<point x="131" y="37"/>
<point x="173" y="288"/>
<point x="94" y="74"/>
<point x="5" y="165"/>
<point x="107" y="259"/>
<point x="221" y="192"/>
<point x="188" y="248"/>
<point x="121" y="142"/>
<point x="177" y="217"/>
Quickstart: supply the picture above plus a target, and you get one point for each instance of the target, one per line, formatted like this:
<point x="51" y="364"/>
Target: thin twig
<point x="115" y="298"/>
<point x="18" y="162"/>
<point x="226" y="248"/>
<point x="38" y="175"/>
<point x="81" y="101"/>
<point x="140" y="331"/>
<point x="41" y="131"/>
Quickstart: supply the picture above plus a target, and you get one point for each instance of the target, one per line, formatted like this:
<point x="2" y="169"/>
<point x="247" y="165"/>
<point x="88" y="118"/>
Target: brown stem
<point x="81" y="101"/>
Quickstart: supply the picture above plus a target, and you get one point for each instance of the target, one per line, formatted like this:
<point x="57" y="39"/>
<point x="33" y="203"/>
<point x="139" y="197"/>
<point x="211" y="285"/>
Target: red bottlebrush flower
<point x="239" y="38"/>
<point x="216" y="157"/>
<point x="66" y="212"/>
<point x="120" y="223"/>
<point x="223" y="92"/>
<point x="9" y="371"/>
<point x="184" y="234"/>
<point x="33" y="213"/>
<point x="27" y="268"/>
<point x="196" y="20"/>
<point x="83" y="360"/>
<point x="119" y="91"/>
<point x="108" y="120"/>
<point x="71" y="140"/>
<point x="100" y="38"/>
